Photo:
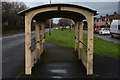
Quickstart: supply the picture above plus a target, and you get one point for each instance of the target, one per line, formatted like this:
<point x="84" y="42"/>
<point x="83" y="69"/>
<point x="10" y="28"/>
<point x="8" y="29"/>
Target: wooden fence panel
<point x="83" y="55"/>
<point x="35" y="55"/>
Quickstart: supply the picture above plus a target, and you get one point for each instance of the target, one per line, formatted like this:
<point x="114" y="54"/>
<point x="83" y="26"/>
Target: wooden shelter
<point x="45" y="12"/>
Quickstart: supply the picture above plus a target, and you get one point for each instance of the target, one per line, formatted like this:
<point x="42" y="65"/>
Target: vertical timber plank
<point x="27" y="45"/>
<point x="37" y="27"/>
<point x="50" y="26"/>
<point x="43" y="36"/>
<point x="90" y="45"/>
<point x="80" y="36"/>
<point x="76" y="36"/>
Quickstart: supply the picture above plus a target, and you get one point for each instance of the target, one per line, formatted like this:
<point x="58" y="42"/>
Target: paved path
<point x="62" y="62"/>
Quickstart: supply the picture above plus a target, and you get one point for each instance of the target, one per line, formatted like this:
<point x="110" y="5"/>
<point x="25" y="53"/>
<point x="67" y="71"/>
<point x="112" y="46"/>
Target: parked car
<point x="96" y="30"/>
<point x="115" y="28"/>
<point x="104" y="31"/>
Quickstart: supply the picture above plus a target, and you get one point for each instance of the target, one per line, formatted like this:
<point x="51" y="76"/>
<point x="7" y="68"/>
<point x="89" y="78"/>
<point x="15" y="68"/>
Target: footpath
<point x="61" y="62"/>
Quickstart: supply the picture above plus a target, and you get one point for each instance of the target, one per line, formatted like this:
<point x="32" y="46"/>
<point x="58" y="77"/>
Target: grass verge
<point x="66" y="38"/>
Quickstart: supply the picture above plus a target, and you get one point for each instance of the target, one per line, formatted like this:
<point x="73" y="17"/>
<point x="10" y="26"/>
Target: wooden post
<point x="37" y="27"/>
<point x="27" y="45"/>
<point x="80" y="36"/>
<point x="50" y="26"/>
<point x="90" y="45"/>
<point x="76" y="36"/>
<point x="43" y="35"/>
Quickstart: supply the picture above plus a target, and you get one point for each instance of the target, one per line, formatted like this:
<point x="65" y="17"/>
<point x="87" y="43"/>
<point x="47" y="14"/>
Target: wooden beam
<point x="80" y="36"/>
<point x="27" y="45"/>
<point x="76" y="36"/>
<point x="90" y="20"/>
<point x="50" y="24"/>
<point x="43" y="36"/>
<point x="37" y="28"/>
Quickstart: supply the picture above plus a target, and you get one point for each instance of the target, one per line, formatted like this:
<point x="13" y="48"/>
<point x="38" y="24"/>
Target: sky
<point x="103" y="7"/>
<point x="64" y="1"/>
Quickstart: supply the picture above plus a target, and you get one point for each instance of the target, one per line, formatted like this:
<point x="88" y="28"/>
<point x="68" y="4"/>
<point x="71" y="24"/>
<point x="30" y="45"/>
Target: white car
<point x="104" y="31"/>
<point x="115" y="28"/>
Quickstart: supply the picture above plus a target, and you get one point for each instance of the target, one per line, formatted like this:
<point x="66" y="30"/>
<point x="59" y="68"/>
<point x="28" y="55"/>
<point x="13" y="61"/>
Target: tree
<point x="10" y="12"/>
<point x="65" y="22"/>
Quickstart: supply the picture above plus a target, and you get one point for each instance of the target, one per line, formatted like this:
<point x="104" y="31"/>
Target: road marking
<point x="33" y="32"/>
<point x="12" y="45"/>
<point x="12" y="36"/>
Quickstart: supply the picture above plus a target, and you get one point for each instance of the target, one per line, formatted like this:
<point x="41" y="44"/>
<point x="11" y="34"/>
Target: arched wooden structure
<point x="44" y="12"/>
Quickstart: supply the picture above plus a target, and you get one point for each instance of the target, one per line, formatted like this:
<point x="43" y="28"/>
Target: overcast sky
<point x="59" y="1"/>
<point x="102" y="6"/>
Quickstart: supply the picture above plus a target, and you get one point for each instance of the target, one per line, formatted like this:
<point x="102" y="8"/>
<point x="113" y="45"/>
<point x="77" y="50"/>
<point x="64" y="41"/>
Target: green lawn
<point x="66" y="38"/>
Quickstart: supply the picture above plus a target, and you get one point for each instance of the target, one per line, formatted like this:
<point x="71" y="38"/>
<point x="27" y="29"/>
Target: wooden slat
<point x="38" y="38"/>
<point x="34" y="57"/>
<point x="50" y="26"/>
<point x="27" y="44"/>
<point x="90" y="20"/>
<point x="84" y="63"/>
<point x="43" y="35"/>
<point x="76" y="36"/>
<point x="80" y="37"/>
<point x="41" y="49"/>
<point x="83" y="55"/>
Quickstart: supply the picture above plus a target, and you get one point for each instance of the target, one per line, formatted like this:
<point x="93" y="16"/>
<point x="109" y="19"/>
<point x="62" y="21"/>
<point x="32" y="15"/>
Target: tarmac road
<point x="13" y="54"/>
<point x="116" y="39"/>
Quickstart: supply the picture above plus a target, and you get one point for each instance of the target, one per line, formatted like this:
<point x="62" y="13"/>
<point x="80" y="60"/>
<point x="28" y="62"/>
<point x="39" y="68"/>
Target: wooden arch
<point x="39" y="11"/>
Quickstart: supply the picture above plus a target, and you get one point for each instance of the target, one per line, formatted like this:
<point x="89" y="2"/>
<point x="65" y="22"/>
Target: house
<point x="105" y="21"/>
